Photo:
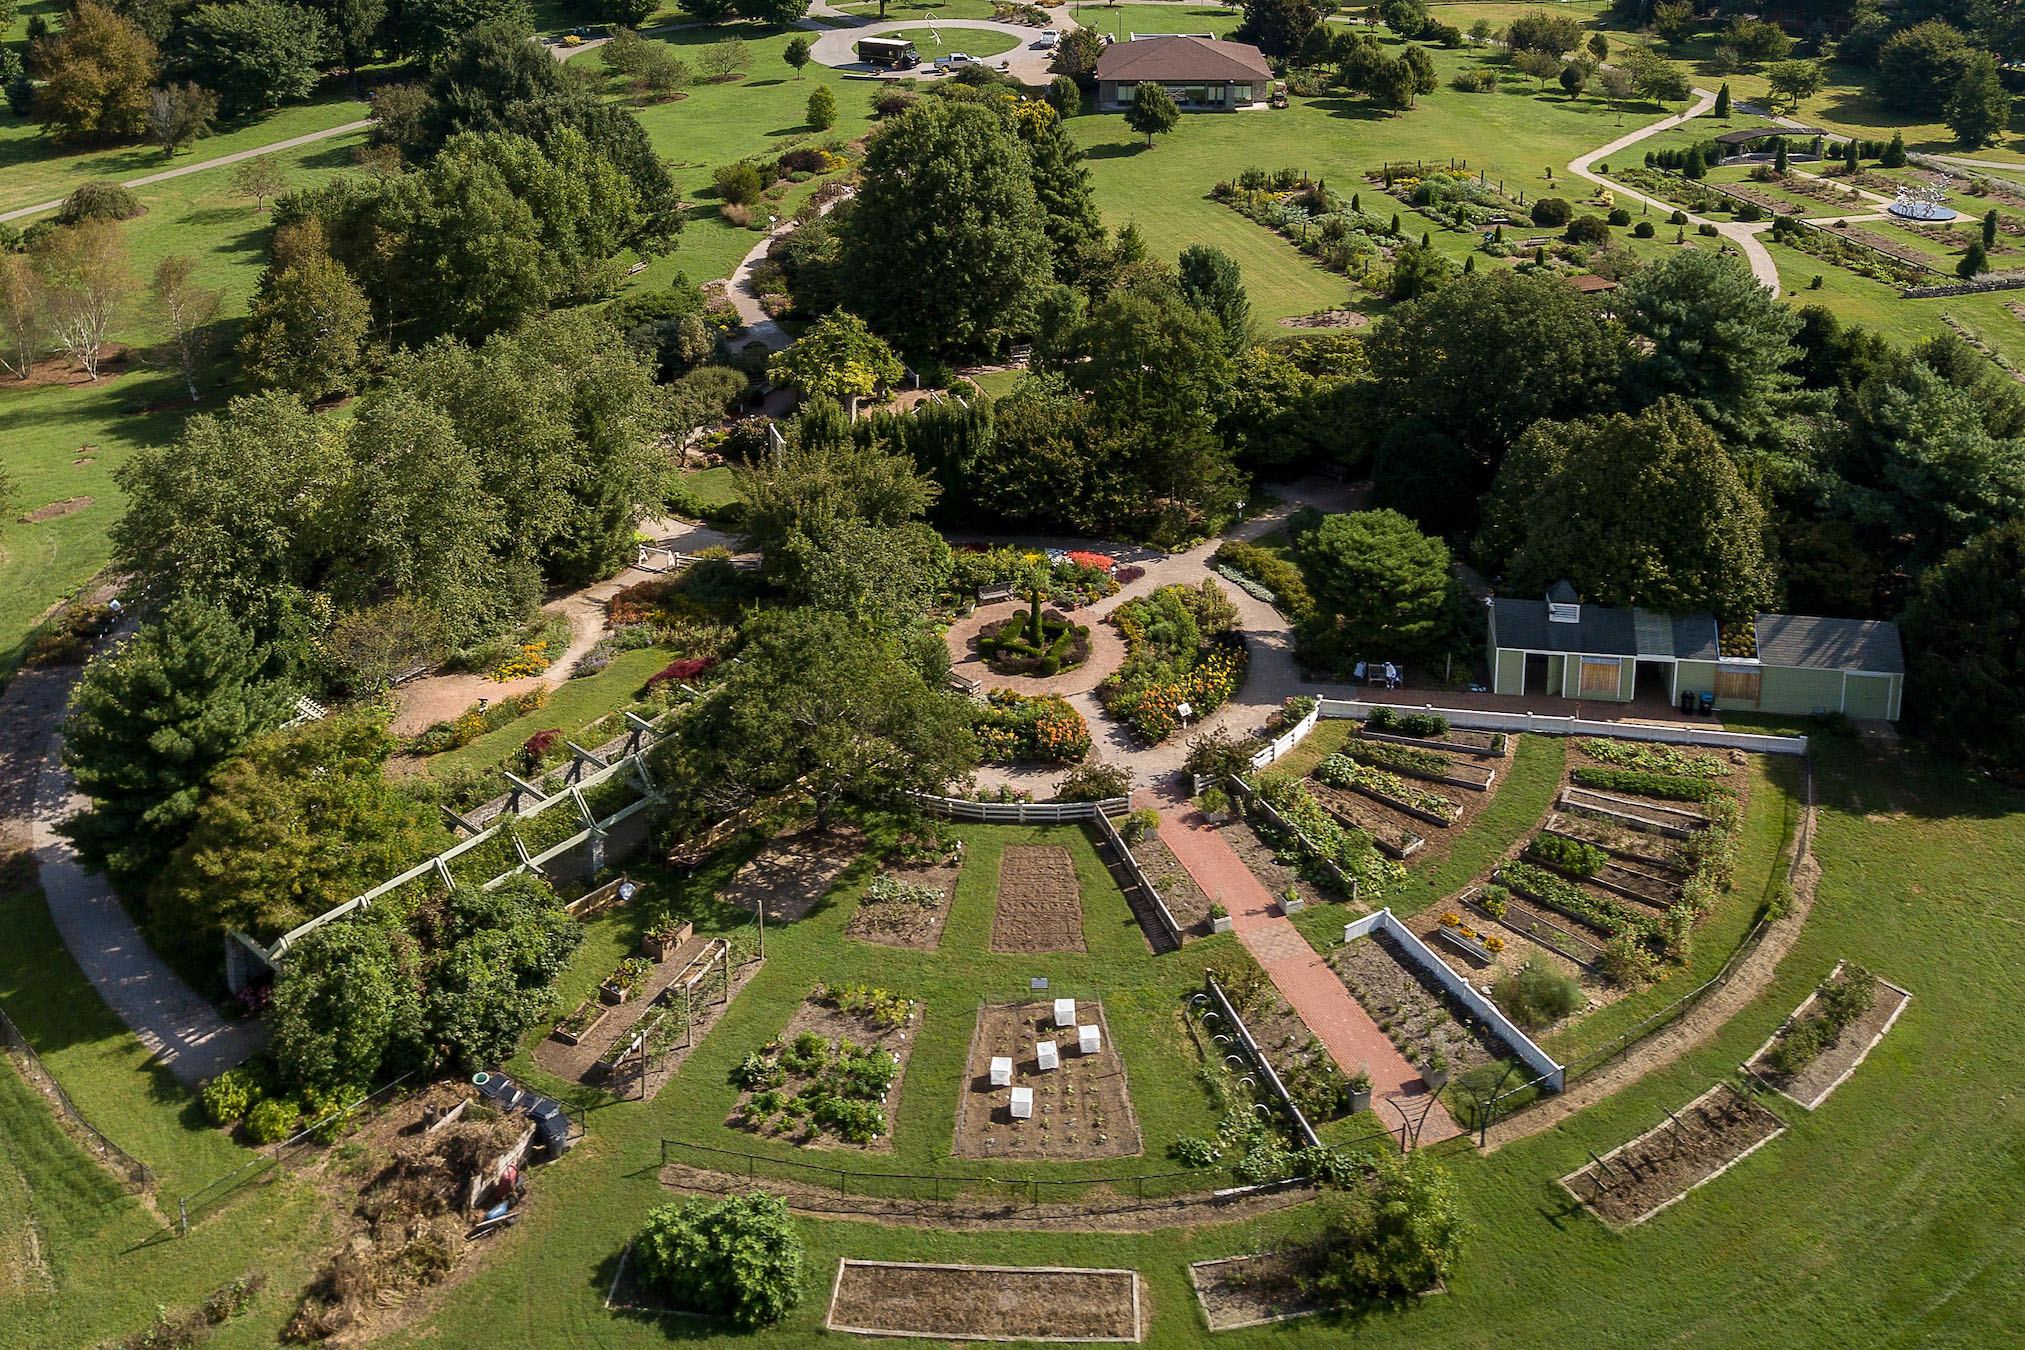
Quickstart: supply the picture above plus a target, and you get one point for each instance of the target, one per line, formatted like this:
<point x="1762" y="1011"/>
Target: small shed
<point x="1800" y="665"/>
<point x="1561" y="645"/>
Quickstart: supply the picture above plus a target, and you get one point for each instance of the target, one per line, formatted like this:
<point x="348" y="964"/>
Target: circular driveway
<point x="837" y="48"/>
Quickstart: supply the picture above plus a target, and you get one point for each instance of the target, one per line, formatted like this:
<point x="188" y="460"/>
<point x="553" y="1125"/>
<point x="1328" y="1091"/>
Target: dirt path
<point x="218" y="163"/>
<point x="1701" y="1024"/>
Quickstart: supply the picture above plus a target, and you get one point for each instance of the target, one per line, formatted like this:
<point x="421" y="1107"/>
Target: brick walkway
<point x="1305" y="980"/>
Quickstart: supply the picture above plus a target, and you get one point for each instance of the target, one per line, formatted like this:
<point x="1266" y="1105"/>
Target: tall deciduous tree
<point x="151" y="722"/>
<point x="87" y="282"/>
<point x="1979" y="107"/>
<point x="1278" y="27"/>
<point x="93" y="77"/>
<point x="495" y="955"/>
<point x="23" y="315"/>
<point x="185" y="312"/>
<point x="254" y="53"/>
<point x="820" y="706"/>
<point x="1384" y="591"/>
<point x="1153" y="110"/>
<point x="948" y="206"/>
<point x="429" y="29"/>
<point x="1538" y="31"/>
<point x="1918" y="67"/>
<point x="1795" y="82"/>
<point x="1646" y="510"/>
<point x="179" y="114"/>
<point x="1965" y="644"/>
<point x="347" y="1001"/>
<point x="308" y="328"/>
<point x="838" y="358"/>
<point x="259" y="178"/>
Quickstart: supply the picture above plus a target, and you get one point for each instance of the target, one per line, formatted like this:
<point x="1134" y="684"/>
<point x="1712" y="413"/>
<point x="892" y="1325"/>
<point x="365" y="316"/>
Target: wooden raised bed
<point x="1431" y="817"/>
<point x="654" y="949"/>
<point x="1396" y="849"/>
<point x="1491" y="746"/>
<point x="1633" y="813"/>
<point x="1622" y="879"/>
<point x="1609" y="837"/>
<point x="1584" y="951"/>
<point x="599" y="1010"/>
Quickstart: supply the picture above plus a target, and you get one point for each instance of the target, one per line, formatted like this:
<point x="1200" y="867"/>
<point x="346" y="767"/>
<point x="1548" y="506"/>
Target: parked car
<point x="1049" y="39"/>
<point x="958" y="60"/>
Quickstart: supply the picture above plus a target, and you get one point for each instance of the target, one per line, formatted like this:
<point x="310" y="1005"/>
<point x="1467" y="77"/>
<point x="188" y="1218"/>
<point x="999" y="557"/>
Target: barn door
<point x="1738" y="685"/>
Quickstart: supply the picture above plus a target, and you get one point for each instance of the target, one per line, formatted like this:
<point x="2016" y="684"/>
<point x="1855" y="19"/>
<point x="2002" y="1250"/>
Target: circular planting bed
<point x="1012" y="647"/>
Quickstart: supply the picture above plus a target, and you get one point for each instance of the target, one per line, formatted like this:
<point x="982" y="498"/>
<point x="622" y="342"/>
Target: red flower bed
<point x="1099" y="561"/>
<point x="688" y="668"/>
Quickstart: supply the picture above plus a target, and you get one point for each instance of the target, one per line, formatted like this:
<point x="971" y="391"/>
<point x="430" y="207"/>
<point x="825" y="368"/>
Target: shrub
<point x="740" y="1258"/>
<point x="99" y="201"/>
<point x="1642" y="783"/>
<point x="1588" y="230"/>
<point x="1750" y="211"/>
<point x="1393" y="1239"/>
<point x="1139" y="824"/>
<point x="1801" y="1045"/>
<point x="821" y="111"/>
<point x="1216" y="753"/>
<point x="1707" y="230"/>
<point x="1191" y="1151"/>
<point x="1427" y="726"/>
<point x="1095" y="782"/>
<point x="228" y="1097"/>
<point x="1620" y="217"/>
<point x="1536" y="995"/>
<point x="1552" y="211"/>
<point x="1677" y="218"/>
<point x="1643" y="229"/>
<point x="271" y="1120"/>
<point x="739" y="184"/>
<point x="1276" y="574"/>
<point x="1626" y="963"/>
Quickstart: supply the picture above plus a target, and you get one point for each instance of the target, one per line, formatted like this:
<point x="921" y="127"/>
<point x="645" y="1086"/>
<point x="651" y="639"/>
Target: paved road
<point x="218" y="163"/>
<point x="1744" y="236"/>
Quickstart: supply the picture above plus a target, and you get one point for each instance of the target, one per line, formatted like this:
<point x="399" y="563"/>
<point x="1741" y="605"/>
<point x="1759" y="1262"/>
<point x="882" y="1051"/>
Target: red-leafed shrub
<point x="1101" y="562"/>
<point x="688" y="668"/>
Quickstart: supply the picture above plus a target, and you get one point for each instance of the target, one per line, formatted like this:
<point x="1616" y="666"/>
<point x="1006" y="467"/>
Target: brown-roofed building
<point x="1201" y="74"/>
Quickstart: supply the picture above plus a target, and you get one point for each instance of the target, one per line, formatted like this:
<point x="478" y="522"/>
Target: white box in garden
<point x="1065" y="1012"/>
<point x="1089" y="1040"/>
<point x="1001" y="1070"/>
<point x="1049" y="1057"/>
<point x="1023" y="1104"/>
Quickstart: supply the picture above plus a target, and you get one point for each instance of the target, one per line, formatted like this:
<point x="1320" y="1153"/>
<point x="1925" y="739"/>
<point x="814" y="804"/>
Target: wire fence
<point x="1489" y="1111"/>
<point x="946" y="1186"/>
<point x="212" y="1196"/>
<point x="132" y="1172"/>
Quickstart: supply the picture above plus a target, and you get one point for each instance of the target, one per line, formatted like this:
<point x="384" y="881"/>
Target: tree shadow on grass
<point x="1350" y="108"/>
<point x="1115" y="150"/>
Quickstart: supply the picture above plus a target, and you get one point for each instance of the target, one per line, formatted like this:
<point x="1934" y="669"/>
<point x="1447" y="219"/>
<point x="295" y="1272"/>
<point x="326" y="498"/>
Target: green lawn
<point x="713" y="487"/>
<point x="1122" y="21"/>
<point x="933" y="43"/>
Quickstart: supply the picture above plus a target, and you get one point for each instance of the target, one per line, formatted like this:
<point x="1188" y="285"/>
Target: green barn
<point x="1784" y="663"/>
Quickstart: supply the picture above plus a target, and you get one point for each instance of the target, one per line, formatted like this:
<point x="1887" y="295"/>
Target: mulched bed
<point x="833" y="1023"/>
<point x="1273" y="874"/>
<point x="1081" y="1110"/>
<point x="985" y="1303"/>
<point x="792" y="874"/>
<point x="1812" y="1084"/>
<point x="1410" y="1008"/>
<point x="1040" y="901"/>
<point x="1247" y="1291"/>
<point x="903" y="923"/>
<point x="1664" y="1164"/>
<point x="1178" y="891"/>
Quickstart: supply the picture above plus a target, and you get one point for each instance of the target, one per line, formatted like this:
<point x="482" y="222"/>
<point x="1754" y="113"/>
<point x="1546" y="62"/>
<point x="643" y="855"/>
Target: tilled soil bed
<point x="1040" y="901"/>
<point x="792" y="874"/>
<point x="902" y="923"/>
<point x="1397" y="835"/>
<point x="1247" y="1291"/>
<point x="1410" y="1008"/>
<point x="1661" y="1166"/>
<point x="985" y="1303"/>
<point x="1178" y="891"/>
<point x="1082" y="1109"/>
<point x="1824" y="1073"/>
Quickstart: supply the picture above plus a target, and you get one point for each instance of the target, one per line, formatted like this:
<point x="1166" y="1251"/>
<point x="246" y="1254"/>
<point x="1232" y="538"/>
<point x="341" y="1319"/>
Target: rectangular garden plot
<point x="1634" y="813"/>
<point x="1389" y="830"/>
<point x="832" y="1078"/>
<point x="905" y="907"/>
<point x="1250" y="1291"/>
<point x="1429" y="1026"/>
<point x="985" y="1303"/>
<point x="1040" y="901"/>
<point x="1691" y="1148"/>
<point x="1082" y="1108"/>
<point x="1810" y="1085"/>
<point x="792" y="874"/>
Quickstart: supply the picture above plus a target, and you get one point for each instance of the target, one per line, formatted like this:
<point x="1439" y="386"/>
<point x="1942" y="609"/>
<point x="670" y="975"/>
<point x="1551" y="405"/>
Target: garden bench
<point x="1535" y="243"/>
<point x="989" y="594"/>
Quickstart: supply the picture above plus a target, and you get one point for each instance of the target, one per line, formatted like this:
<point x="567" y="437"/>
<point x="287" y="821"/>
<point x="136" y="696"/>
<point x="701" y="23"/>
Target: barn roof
<point x="1829" y="644"/>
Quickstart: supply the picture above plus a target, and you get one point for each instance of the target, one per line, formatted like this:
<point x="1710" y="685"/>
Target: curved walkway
<point x="752" y="316"/>
<point x="185" y="1032"/>
<point x="1107" y="652"/>
<point x="1744" y="236"/>
<point x="220" y="162"/>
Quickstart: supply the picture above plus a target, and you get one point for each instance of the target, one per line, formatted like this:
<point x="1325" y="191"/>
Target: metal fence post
<point x="183" y="1210"/>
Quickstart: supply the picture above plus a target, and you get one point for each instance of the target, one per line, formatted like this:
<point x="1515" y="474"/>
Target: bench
<point x="989" y="594"/>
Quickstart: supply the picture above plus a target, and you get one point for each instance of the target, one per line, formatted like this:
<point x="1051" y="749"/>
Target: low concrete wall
<point x="1544" y="725"/>
<point x="1444" y="974"/>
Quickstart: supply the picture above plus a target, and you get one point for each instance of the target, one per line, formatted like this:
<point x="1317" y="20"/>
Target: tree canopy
<point x="1383" y="590"/>
<point x="1965" y="646"/>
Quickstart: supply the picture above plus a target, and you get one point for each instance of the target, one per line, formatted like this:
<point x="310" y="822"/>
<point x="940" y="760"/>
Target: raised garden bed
<point x="1481" y="744"/>
<point x="1512" y="913"/>
<point x="1810" y="1085"/>
<point x="581" y="1023"/>
<point x="1633" y="813"/>
<point x="662" y="940"/>
<point x="1250" y="1291"/>
<point x="1082" y="1109"/>
<point x="1431" y="1030"/>
<point x="1428" y="765"/>
<point x="1355" y="811"/>
<point x="985" y="1303"/>
<point x="1606" y="914"/>
<point x="1178" y="890"/>
<point x="1691" y="1148"/>
<point x="831" y="1079"/>
<point x="1040" y="901"/>
<point x="1637" y="846"/>
<point x="1631" y="880"/>
<point x="1344" y="772"/>
<point x="905" y="907"/>
<point x="1479" y="946"/>
<point x="630" y="977"/>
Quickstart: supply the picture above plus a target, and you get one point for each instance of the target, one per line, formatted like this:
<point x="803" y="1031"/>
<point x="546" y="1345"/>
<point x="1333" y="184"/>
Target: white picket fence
<point x="1422" y="955"/>
<point x="1138" y="874"/>
<point x="1019" y="813"/>
<point x="1544" y="725"/>
<point x="1289" y="739"/>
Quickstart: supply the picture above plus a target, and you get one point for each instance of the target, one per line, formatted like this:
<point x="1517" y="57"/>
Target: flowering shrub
<point x="1098" y="562"/>
<point x="531" y="659"/>
<point x="1014" y="729"/>
<point x="538" y="747"/>
<point x="1178" y="649"/>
